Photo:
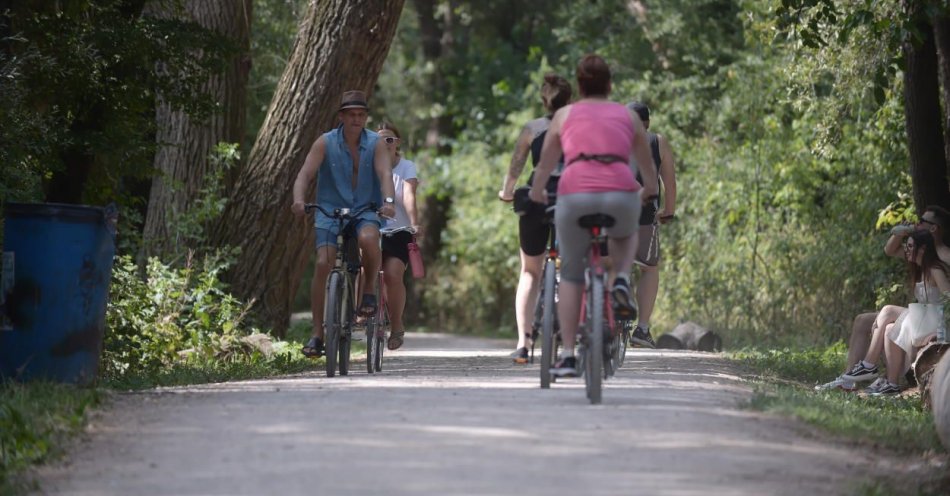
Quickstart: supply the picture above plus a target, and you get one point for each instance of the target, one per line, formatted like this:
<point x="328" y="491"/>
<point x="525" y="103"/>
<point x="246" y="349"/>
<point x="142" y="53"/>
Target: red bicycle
<point x="378" y="325"/>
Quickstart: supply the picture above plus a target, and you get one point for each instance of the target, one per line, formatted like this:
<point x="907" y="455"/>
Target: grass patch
<point x="35" y="420"/>
<point x="897" y="423"/>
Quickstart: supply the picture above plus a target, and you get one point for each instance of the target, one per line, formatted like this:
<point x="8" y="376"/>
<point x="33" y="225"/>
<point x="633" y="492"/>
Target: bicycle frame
<point x="595" y="268"/>
<point x="346" y="270"/>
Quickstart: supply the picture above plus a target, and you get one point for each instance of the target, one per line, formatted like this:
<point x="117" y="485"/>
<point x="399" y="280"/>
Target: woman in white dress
<point x="920" y="322"/>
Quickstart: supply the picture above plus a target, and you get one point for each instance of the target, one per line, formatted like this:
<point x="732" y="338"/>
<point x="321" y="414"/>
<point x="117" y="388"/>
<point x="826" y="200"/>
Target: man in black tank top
<point x="648" y="253"/>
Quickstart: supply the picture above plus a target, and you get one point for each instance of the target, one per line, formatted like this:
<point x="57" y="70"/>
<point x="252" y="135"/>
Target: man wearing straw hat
<point x="352" y="170"/>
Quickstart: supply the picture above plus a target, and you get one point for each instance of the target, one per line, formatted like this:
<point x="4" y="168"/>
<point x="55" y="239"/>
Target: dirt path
<point x="453" y="416"/>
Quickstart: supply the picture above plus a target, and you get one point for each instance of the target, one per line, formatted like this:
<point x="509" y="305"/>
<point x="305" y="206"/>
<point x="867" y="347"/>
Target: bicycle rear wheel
<point x="331" y="320"/>
<point x="594" y="362"/>
<point x="548" y="320"/>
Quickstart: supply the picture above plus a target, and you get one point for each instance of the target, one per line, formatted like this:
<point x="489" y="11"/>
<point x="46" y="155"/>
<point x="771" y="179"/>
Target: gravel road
<point x="452" y="415"/>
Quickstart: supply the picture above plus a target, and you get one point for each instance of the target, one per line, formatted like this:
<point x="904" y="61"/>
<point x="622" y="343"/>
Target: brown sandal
<point x="395" y="340"/>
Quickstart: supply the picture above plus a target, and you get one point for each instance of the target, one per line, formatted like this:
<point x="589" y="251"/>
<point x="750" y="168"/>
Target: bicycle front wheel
<point x="331" y="320"/>
<point x="373" y="324"/>
<point x="594" y="363"/>
<point x="548" y="320"/>
<point x="346" y="328"/>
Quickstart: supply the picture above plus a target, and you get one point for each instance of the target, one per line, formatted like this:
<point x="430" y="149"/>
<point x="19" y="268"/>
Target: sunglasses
<point x="390" y="139"/>
<point x="925" y="221"/>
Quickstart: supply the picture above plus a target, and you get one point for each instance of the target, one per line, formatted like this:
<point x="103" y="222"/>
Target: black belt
<point x="604" y="158"/>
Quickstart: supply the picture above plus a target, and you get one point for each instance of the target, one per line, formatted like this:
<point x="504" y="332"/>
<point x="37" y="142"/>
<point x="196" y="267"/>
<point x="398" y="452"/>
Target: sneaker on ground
<point x="876" y="385"/>
<point x="565" y="367"/>
<point x="624" y="305"/>
<point x="642" y="337"/>
<point x="839" y="383"/>
<point x="859" y="373"/>
<point x="885" y="389"/>
<point x="520" y="356"/>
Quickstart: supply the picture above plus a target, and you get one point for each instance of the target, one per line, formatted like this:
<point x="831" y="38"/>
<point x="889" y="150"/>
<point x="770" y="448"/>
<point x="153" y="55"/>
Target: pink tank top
<point x="597" y="129"/>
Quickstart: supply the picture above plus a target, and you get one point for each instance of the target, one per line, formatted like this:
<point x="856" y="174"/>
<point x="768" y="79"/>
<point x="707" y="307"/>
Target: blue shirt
<point x="335" y="177"/>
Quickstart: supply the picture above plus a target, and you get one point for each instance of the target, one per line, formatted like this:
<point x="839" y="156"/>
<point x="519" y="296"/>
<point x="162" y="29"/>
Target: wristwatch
<point x="389" y="199"/>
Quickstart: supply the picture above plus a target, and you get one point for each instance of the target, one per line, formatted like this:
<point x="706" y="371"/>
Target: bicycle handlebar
<point x="339" y="213"/>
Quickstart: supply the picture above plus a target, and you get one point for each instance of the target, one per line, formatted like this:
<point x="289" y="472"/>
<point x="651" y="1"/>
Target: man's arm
<point x="643" y="158"/>
<point x="518" y="159"/>
<point x="668" y="175"/>
<point x="307" y="174"/>
<point x="384" y="170"/>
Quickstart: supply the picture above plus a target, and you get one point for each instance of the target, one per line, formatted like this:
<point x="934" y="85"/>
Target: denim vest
<point x="335" y="177"/>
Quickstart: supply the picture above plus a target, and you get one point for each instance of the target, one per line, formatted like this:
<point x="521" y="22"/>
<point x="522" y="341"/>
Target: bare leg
<point x="885" y="318"/>
<point x="527" y="295"/>
<point x="647" y="288"/>
<point x="569" y="311"/>
<point x="861" y="330"/>
<point x="326" y="255"/>
<point x="371" y="258"/>
<point x="393" y="270"/>
<point x="895" y="359"/>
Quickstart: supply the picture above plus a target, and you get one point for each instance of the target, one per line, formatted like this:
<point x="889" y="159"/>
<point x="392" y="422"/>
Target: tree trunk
<point x="942" y="38"/>
<point x="928" y="165"/>
<point x="940" y="399"/>
<point x="184" y="143"/>
<point x="341" y="45"/>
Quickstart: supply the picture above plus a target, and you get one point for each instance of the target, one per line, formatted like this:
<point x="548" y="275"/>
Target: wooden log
<point x="940" y="399"/>
<point x="690" y="336"/>
<point x="923" y="368"/>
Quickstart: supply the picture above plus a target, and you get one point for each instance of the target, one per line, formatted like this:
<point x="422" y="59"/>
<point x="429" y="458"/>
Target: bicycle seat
<point x="596" y="220"/>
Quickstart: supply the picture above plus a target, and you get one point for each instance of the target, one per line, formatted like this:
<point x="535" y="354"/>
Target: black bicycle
<point x="545" y="323"/>
<point x="339" y="299"/>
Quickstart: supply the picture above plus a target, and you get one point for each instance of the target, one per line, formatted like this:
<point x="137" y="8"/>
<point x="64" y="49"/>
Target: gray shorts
<point x="648" y="249"/>
<point x="574" y="240"/>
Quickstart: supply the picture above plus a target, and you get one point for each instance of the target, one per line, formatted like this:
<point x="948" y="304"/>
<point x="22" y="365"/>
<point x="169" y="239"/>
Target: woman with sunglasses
<point x="396" y="247"/>
<point x="918" y="325"/>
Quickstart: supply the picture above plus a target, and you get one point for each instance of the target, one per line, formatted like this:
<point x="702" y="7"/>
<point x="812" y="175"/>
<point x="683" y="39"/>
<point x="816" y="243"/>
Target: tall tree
<point x="341" y="45"/>
<point x="925" y="133"/>
<point x="185" y="140"/>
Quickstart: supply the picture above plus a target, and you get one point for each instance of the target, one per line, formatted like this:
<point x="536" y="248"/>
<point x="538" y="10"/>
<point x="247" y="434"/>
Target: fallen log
<point x="690" y="336"/>
<point x="927" y="359"/>
<point x="940" y="399"/>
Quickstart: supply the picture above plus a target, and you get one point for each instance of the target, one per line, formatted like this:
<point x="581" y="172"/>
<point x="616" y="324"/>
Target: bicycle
<point x="378" y="325"/>
<point x="545" y="321"/>
<point x="597" y="318"/>
<point x="338" y="303"/>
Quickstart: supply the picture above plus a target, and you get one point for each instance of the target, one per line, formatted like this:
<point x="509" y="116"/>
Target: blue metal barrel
<point x="57" y="265"/>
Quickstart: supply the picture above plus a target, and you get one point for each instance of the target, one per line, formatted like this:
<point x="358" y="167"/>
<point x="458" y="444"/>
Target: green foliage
<point x="191" y="224"/>
<point x="34" y="420"/>
<point x="79" y="88"/>
<point x="173" y="314"/>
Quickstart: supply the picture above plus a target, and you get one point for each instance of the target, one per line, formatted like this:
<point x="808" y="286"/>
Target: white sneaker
<point x="876" y="386"/>
<point x="839" y="383"/>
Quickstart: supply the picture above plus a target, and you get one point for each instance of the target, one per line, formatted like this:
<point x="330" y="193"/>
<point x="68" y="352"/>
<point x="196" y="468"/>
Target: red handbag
<point x="415" y="261"/>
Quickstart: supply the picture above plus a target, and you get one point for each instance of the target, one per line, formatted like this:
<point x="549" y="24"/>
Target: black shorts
<point x="397" y="245"/>
<point x="535" y="225"/>
<point x="648" y="213"/>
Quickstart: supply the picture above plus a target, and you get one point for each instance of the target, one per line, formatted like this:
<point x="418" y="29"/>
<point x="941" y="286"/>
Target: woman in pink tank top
<point x="598" y="139"/>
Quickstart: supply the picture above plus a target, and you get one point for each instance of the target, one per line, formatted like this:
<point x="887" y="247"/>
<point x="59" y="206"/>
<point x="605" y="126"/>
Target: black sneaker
<point x="624" y="305"/>
<point x="885" y="389"/>
<point x="313" y="348"/>
<point x="520" y="356"/>
<point x="642" y="337"/>
<point x="858" y="372"/>
<point x="565" y="367"/>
